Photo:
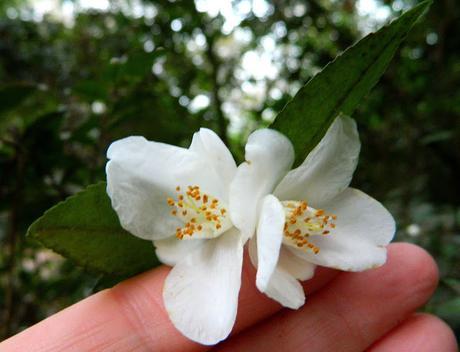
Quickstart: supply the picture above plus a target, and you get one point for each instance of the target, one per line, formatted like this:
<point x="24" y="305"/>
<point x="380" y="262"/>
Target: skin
<point x="369" y="311"/>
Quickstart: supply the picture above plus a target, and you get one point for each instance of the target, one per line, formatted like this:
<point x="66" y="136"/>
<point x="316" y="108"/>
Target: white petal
<point x="141" y="175"/>
<point x="269" y="239"/>
<point x="363" y="229"/>
<point x="295" y="265"/>
<point x="286" y="290"/>
<point x="287" y="260"/>
<point x="208" y="144"/>
<point x="327" y="170"/>
<point x="269" y="155"/>
<point x="201" y="291"/>
<point x="283" y="287"/>
<point x="172" y="250"/>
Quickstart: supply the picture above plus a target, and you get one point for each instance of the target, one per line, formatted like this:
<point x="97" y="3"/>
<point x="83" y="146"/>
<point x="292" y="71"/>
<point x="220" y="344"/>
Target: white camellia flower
<point x="178" y="198"/>
<point x="307" y="216"/>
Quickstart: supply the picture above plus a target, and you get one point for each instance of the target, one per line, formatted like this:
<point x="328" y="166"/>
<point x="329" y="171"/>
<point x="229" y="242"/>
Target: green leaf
<point x="108" y="281"/>
<point x="341" y="85"/>
<point x="11" y="95"/>
<point x="85" y="229"/>
<point x="449" y="310"/>
<point x="92" y="90"/>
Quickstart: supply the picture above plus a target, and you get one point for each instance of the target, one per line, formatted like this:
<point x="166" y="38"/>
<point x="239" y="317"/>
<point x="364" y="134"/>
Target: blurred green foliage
<point x="76" y="79"/>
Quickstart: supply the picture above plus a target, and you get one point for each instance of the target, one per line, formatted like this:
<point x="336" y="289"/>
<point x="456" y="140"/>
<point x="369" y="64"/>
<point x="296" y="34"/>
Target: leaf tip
<point x="422" y="8"/>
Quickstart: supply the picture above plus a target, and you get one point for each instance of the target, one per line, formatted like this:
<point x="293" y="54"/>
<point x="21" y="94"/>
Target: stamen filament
<point x="313" y="222"/>
<point x="200" y="212"/>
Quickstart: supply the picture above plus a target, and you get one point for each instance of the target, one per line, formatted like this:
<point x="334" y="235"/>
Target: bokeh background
<point x="76" y="75"/>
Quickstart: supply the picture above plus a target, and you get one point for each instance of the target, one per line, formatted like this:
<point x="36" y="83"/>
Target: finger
<point x="131" y="317"/>
<point x="419" y="333"/>
<point x="352" y="311"/>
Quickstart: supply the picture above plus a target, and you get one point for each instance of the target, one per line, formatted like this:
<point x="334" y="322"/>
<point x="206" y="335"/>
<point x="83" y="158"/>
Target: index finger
<point x="131" y="317"/>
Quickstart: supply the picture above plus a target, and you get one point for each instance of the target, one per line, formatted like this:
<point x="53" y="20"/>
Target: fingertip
<point x="419" y="333"/>
<point x="438" y="328"/>
<point x="413" y="267"/>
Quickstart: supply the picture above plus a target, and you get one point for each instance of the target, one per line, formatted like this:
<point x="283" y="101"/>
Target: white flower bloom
<point x="178" y="198"/>
<point x="307" y="216"/>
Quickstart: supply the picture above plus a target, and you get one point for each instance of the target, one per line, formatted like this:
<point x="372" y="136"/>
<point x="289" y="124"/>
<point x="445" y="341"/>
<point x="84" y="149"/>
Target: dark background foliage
<point x="76" y="78"/>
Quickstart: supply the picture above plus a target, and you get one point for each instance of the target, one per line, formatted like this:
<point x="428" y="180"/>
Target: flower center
<point x="303" y="222"/>
<point x="203" y="215"/>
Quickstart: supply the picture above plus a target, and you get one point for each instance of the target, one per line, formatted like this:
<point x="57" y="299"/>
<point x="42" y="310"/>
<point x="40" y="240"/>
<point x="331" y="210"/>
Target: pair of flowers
<point x="200" y="209"/>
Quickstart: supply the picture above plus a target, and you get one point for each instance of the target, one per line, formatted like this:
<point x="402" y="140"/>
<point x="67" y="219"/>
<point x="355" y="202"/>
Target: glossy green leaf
<point x="341" y="85"/>
<point x="85" y="229"/>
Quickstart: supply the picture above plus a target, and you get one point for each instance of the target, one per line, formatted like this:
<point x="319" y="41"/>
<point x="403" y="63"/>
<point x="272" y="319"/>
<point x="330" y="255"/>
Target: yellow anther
<point x="199" y="211"/>
<point x="303" y="222"/>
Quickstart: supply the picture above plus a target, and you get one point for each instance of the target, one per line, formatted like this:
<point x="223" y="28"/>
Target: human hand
<point x="372" y="311"/>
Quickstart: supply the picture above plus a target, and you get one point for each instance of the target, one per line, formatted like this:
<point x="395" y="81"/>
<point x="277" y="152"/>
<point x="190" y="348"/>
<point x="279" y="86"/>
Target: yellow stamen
<point x="199" y="211"/>
<point x="312" y="222"/>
